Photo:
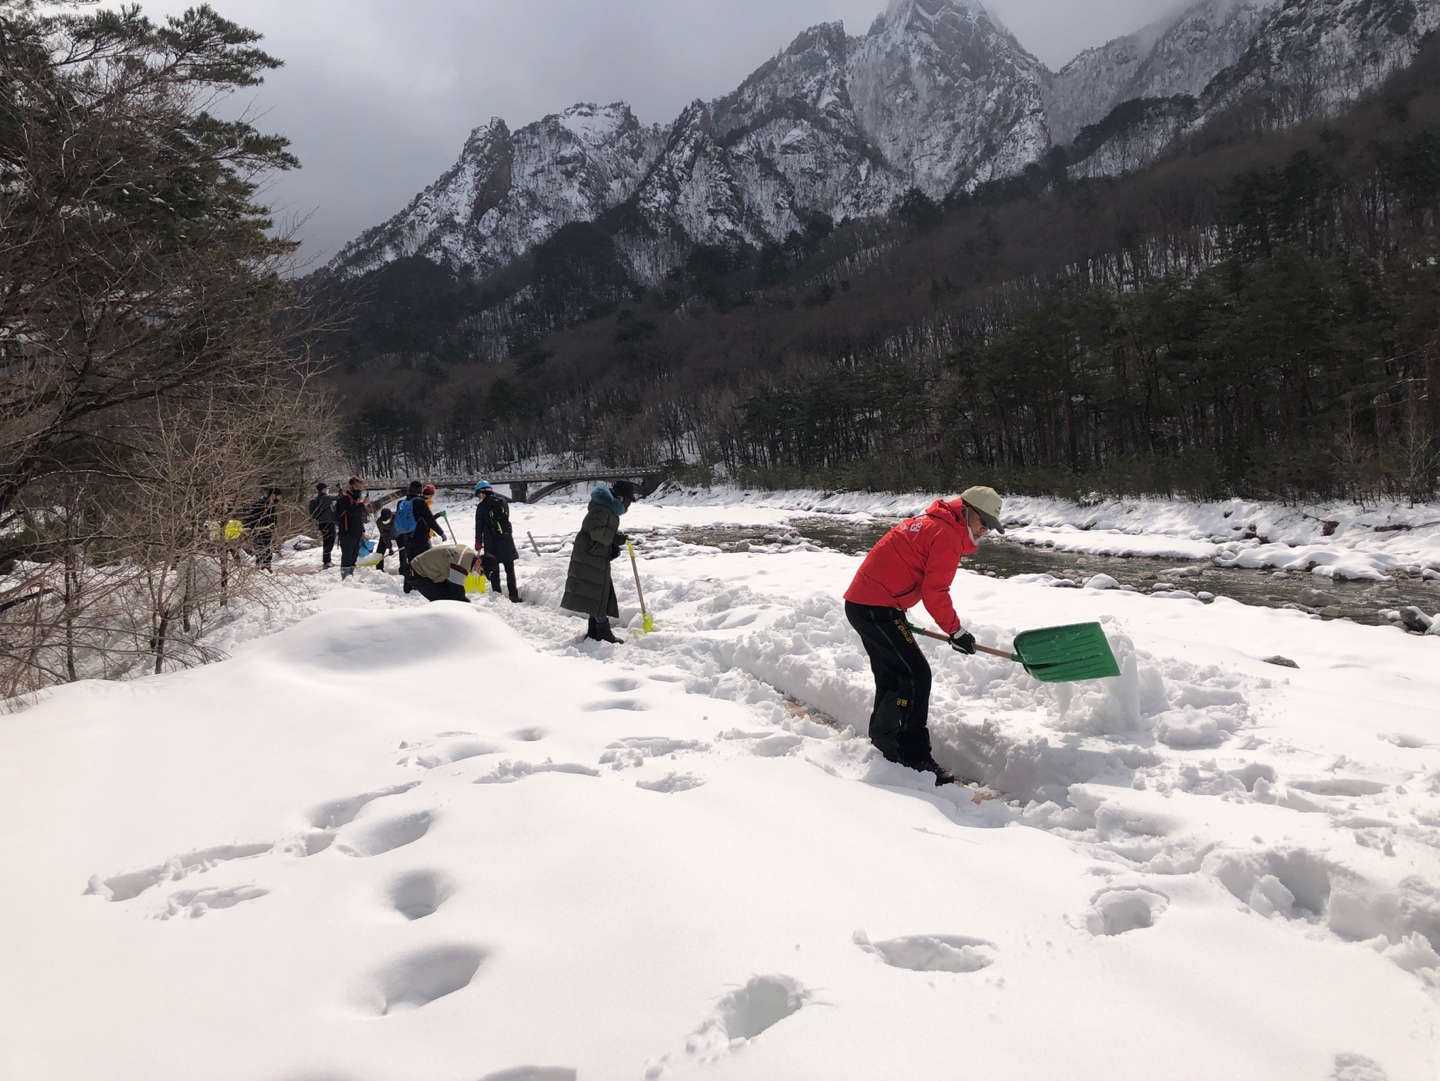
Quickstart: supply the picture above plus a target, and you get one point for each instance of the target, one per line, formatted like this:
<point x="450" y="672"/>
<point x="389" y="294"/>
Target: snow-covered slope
<point x="1296" y="59"/>
<point x="510" y="191"/>
<point x="1316" y="53"/>
<point x="400" y="841"/>
<point x="1176" y="55"/>
<point x="937" y="95"/>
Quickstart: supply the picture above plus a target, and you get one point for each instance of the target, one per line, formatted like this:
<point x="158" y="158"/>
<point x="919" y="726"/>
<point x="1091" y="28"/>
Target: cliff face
<point x="1292" y="59"/>
<point x="1175" y="56"/>
<point x="510" y="191"/>
<point x="936" y="95"/>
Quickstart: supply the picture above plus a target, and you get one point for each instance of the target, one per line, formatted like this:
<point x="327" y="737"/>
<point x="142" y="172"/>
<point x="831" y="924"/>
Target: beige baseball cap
<point x="985" y="502"/>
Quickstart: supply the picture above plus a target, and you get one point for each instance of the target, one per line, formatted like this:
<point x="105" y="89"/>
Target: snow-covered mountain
<point x="510" y="191"/>
<point x="1177" y="55"/>
<point x="937" y="94"/>
<point x="1299" y="58"/>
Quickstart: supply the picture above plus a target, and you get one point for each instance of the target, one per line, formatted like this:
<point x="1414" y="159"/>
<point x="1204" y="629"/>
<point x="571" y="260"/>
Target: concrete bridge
<point x="648" y="478"/>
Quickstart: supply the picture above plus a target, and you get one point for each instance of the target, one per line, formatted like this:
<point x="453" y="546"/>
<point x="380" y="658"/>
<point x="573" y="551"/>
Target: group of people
<point x="914" y="563"/>
<point x="410" y="530"/>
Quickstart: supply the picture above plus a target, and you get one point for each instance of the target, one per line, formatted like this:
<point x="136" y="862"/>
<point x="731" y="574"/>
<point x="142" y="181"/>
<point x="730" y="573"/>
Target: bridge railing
<point x="550" y="480"/>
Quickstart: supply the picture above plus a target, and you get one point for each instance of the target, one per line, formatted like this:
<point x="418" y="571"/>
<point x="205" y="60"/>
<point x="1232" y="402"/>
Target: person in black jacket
<point x="322" y="511"/>
<point x="385" y="523"/>
<point x="260" y="520"/>
<point x="418" y="540"/>
<point x="350" y="513"/>
<point x="494" y="536"/>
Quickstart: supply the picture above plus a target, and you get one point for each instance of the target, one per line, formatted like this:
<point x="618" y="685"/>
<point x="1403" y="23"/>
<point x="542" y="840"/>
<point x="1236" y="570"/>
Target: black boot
<point x="601" y="632"/>
<point x="515" y="598"/>
<point x="927" y="764"/>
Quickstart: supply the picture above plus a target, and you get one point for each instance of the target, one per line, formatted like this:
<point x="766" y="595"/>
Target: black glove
<point x="962" y="641"/>
<point x="614" y="551"/>
<point x="621" y="539"/>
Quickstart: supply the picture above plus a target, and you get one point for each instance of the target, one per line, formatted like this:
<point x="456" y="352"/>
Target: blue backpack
<point x="404" y="517"/>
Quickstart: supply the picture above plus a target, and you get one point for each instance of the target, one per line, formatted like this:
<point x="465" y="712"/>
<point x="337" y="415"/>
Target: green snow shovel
<point x="1055" y="654"/>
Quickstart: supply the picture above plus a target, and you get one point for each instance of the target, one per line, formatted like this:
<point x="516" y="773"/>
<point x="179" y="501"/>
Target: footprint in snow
<point x="509" y="772"/>
<point x="1116" y="911"/>
<point x="419" y="894"/>
<point x="622" y="684"/>
<point x="931" y="953"/>
<point x="633" y="750"/>
<point x="443" y="752"/>
<point x="533" y="1073"/>
<point x="375" y="838"/>
<point x="528" y="735"/>
<point x="633" y="704"/>
<point x="420" y="978"/>
<point x="195" y="903"/>
<point x="1357" y="1068"/>
<point x="342" y="812"/>
<point x="123" y="887"/>
<point x="744" y="1014"/>
<point x="777" y="746"/>
<point x="672" y="782"/>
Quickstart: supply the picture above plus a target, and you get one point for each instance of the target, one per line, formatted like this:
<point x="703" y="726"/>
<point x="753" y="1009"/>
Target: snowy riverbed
<point x="392" y="840"/>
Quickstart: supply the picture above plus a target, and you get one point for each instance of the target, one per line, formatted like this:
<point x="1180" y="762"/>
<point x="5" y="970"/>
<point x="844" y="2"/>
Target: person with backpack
<point x="351" y="510"/>
<point x="260" y="520"/>
<point x="414" y="512"/>
<point x="439" y="573"/>
<point x="404" y="526"/>
<point x="588" y="587"/>
<point x="916" y="561"/>
<point x="494" y="537"/>
<point x="322" y="513"/>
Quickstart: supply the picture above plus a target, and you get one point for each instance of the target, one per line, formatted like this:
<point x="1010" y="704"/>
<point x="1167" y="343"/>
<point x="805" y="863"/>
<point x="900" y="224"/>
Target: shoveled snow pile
<point x="395" y="840"/>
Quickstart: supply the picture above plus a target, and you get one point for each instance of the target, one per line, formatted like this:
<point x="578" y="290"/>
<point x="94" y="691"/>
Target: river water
<point x="1362" y="602"/>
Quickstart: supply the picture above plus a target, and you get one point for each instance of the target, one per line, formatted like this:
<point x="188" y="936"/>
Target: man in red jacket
<point x="916" y="561"/>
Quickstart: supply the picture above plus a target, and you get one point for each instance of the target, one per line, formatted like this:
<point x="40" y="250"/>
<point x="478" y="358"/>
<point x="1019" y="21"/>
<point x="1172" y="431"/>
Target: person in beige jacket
<point x="439" y="573"/>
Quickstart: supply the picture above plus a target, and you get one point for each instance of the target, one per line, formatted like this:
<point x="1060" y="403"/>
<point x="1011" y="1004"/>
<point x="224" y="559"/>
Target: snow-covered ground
<point x="392" y="840"/>
<point x="1334" y="540"/>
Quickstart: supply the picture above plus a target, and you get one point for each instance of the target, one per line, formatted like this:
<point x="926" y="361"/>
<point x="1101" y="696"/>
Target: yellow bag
<point x="233" y="529"/>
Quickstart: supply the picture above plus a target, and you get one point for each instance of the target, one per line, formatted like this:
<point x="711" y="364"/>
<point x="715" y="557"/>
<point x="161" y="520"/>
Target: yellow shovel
<point x="647" y="624"/>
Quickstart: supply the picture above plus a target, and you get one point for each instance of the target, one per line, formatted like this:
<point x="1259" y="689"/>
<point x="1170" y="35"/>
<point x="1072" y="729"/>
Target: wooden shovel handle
<point x="978" y="647"/>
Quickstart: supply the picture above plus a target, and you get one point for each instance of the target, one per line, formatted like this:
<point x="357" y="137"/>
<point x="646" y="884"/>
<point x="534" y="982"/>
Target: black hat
<point x="624" y="490"/>
<point x="273" y="491"/>
<point x="320" y="486"/>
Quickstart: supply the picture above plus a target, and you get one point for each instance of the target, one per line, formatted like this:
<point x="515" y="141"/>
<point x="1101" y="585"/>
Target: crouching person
<point x="439" y="573"/>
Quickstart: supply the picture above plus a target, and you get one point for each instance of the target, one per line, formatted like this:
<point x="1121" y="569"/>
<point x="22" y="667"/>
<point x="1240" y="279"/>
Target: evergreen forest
<point x="1256" y="314"/>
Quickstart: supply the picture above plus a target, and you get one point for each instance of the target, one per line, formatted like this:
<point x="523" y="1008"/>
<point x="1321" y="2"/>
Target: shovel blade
<point x="1066" y="654"/>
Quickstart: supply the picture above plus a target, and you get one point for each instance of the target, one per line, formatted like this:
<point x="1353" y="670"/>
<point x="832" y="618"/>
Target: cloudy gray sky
<point x="377" y="96"/>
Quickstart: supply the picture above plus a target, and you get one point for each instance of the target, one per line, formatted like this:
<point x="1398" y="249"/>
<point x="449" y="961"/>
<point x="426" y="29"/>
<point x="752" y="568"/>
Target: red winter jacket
<point x="916" y="561"/>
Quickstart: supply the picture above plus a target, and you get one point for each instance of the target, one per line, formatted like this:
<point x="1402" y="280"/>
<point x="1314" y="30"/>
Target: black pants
<point x="349" y="552"/>
<point x="902" y="682"/>
<point x="492" y="572"/>
<point x="327" y="542"/>
<point x="439" y="591"/>
<point x="265" y="550"/>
